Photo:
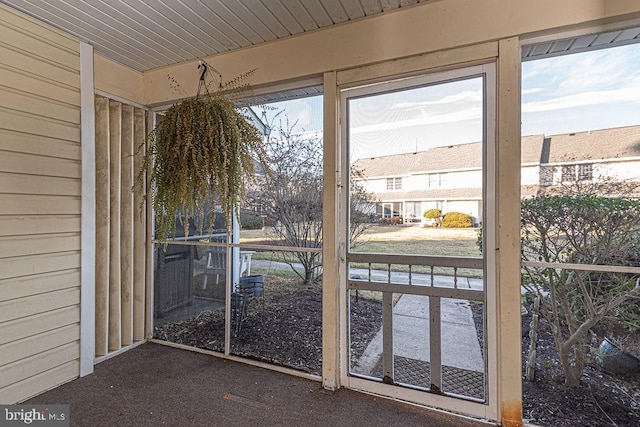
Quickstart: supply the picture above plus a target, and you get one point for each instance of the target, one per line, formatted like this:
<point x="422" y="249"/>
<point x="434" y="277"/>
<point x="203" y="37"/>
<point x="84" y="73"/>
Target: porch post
<point x="235" y="266"/>
<point x="330" y="238"/>
<point x="88" y="221"/>
<point x="508" y="234"/>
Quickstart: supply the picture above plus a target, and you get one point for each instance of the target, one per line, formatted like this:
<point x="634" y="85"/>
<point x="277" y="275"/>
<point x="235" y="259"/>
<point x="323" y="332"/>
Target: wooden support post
<point x="115" y="131"/>
<point x="139" y="231"/>
<point x="150" y="252"/>
<point x="508" y="234"/>
<point x="102" y="225"/>
<point x="126" y="226"/>
<point x="331" y="240"/>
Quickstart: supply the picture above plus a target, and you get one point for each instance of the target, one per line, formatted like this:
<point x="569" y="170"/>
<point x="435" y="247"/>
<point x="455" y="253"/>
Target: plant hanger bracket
<point x="203" y="87"/>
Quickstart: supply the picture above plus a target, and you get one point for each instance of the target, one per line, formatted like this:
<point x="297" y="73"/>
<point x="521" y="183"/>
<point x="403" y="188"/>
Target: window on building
<point x="394" y="183"/>
<point x="412" y="209"/>
<point x="585" y="172"/>
<point x="437" y="180"/>
<point x="546" y="175"/>
<point x="568" y="173"/>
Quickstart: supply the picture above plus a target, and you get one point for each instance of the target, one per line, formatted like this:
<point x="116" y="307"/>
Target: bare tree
<point x="292" y="197"/>
<point x="361" y="207"/>
<point x="581" y="229"/>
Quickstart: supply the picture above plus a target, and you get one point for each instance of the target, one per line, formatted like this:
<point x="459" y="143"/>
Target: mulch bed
<point x="600" y="400"/>
<point x="284" y="328"/>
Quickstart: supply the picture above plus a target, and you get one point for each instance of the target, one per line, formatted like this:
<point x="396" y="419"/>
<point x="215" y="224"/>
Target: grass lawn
<point x="416" y="240"/>
<point x="402" y="240"/>
<point x="398" y="239"/>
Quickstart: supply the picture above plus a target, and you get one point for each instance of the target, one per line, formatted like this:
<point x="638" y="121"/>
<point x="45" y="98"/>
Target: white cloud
<point x="532" y="90"/>
<point x="628" y="94"/>
<point x="428" y="119"/>
<point x="566" y="75"/>
<point x="464" y="96"/>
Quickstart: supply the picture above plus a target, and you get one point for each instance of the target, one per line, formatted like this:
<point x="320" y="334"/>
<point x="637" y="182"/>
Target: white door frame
<point x="489" y="408"/>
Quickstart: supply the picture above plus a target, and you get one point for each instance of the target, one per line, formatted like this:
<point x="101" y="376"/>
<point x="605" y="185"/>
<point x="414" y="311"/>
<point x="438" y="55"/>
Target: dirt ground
<point x="600" y="400"/>
<point x="284" y="328"/>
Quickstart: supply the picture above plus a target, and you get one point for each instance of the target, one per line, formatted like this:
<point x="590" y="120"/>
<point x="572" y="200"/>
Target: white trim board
<point x="88" y="212"/>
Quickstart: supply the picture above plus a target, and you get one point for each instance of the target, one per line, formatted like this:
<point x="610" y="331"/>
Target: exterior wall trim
<point x="88" y="212"/>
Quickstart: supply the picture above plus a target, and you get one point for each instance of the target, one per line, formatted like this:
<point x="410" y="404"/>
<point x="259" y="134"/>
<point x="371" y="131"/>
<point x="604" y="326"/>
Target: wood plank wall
<point x="40" y="191"/>
<point x="120" y="227"/>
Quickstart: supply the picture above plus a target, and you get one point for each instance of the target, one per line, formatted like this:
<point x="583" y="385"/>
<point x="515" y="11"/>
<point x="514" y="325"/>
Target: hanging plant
<point x="202" y="152"/>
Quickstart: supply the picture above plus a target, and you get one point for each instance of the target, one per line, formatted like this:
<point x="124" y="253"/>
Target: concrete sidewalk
<point x="459" y="341"/>
<point x="460" y="347"/>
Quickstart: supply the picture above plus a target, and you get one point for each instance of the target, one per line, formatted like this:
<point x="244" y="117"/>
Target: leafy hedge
<point x="457" y="220"/>
<point x="250" y="221"/>
<point x="432" y="214"/>
<point x="581" y="229"/>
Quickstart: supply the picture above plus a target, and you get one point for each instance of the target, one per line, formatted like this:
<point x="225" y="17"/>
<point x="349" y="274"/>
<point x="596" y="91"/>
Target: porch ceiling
<point x="145" y="34"/>
<point x="581" y="43"/>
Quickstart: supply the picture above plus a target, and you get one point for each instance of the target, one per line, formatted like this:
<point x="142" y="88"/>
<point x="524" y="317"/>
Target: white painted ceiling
<point x="581" y="43"/>
<point x="145" y="34"/>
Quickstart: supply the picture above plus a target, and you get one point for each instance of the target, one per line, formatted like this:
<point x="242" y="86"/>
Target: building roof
<point x="538" y="149"/>
<point x="579" y="146"/>
<point x="426" y="194"/>
<point x="436" y="159"/>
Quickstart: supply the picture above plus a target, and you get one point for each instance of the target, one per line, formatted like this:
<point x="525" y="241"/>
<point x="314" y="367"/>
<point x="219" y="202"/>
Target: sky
<point x="571" y="93"/>
<point x="585" y="91"/>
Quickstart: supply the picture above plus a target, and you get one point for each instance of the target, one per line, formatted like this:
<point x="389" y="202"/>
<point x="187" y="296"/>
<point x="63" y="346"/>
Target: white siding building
<point x="450" y="178"/>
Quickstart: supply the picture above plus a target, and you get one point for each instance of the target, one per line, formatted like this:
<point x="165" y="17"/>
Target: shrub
<point x="457" y="220"/>
<point x="580" y="229"/>
<point x="250" y="221"/>
<point x="394" y="220"/>
<point x="432" y="214"/>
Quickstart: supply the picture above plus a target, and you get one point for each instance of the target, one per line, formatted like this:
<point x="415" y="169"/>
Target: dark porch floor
<point x="153" y="385"/>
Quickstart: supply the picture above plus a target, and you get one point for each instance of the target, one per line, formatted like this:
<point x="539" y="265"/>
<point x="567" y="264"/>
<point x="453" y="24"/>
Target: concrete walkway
<point x="460" y="347"/>
<point x="459" y="342"/>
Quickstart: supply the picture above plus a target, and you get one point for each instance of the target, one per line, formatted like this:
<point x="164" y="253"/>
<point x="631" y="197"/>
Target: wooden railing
<point x="389" y="281"/>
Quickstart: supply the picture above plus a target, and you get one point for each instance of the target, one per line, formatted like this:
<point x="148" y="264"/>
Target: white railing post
<point x="387" y="337"/>
<point x="435" y="353"/>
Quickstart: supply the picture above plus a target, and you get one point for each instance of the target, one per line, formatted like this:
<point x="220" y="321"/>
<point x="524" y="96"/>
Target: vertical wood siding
<point x="120" y="227"/>
<point x="40" y="190"/>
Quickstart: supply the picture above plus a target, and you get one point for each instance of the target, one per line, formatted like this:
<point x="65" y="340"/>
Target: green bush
<point x="581" y="229"/>
<point x="250" y="221"/>
<point x="432" y="214"/>
<point x="457" y="220"/>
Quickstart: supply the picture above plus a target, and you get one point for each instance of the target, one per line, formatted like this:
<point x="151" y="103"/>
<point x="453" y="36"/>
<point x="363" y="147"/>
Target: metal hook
<point x="202" y="82"/>
<point x="204" y="69"/>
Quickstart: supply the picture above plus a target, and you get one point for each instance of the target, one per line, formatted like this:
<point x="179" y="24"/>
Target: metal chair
<point x="216" y="264"/>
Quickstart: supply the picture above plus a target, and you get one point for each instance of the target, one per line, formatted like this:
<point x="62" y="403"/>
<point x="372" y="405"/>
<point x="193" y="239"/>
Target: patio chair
<point x="216" y="264"/>
<point x="239" y="303"/>
<point x="217" y="261"/>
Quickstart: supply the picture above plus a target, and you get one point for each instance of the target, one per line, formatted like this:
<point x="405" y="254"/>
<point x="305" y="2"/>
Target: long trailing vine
<point x="202" y="152"/>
